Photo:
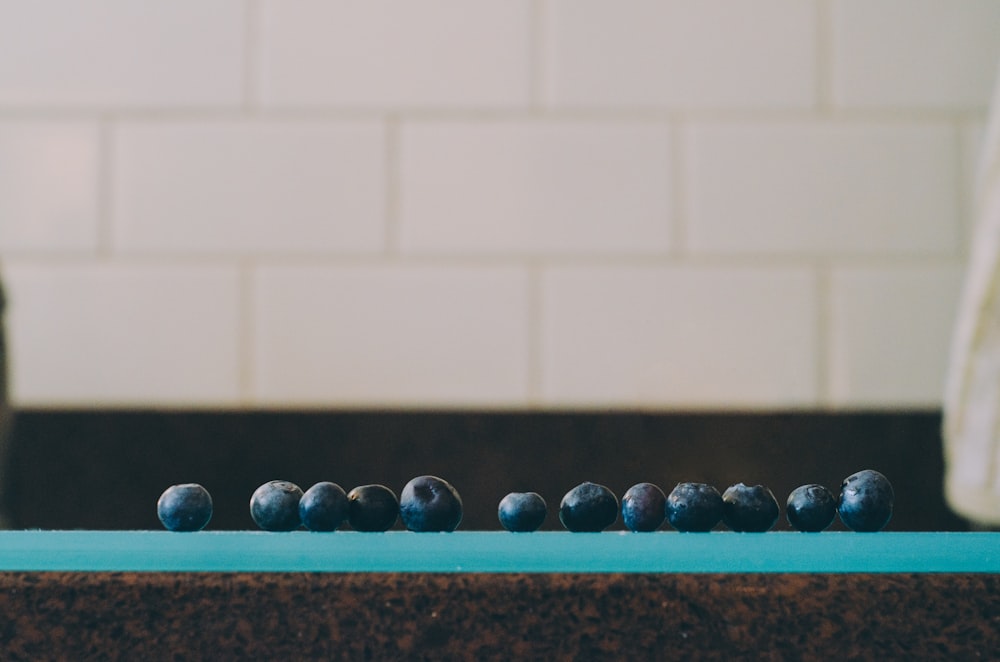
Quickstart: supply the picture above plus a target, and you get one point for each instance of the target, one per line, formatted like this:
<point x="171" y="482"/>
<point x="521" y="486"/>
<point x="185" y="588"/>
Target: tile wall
<point x="490" y="204"/>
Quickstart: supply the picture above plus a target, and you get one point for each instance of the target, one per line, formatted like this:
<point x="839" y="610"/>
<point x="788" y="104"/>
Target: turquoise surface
<point x="497" y="551"/>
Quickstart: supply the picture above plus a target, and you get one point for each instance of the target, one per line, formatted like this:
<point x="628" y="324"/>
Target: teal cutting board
<point x="499" y="551"/>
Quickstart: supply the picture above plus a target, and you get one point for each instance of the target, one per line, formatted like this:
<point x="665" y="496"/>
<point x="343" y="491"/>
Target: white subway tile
<point x="973" y="169"/>
<point x="391" y="336"/>
<point x="249" y="187"/>
<point x="915" y="53"/>
<point x="974" y="158"/>
<point x="678" y="337"/>
<point x="534" y="187"/>
<point x="48" y="186"/>
<point x="395" y="53"/>
<point x="712" y="53"/>
<point x="822" y="188"/>
<point x="122" y="335"/>
<point x="890" y="335"/>
<point x="121" y="53"/>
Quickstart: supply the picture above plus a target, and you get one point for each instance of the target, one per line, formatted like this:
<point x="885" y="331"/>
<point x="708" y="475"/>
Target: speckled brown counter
<point x="387" y="616"/>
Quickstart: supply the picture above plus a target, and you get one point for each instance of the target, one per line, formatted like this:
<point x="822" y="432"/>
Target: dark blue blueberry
<point x="695" y="507"/>
<point x="185" y="507"/>
<point x="865" y="501"/>
<point x="323" y="507"/>
<point x="429" y="503"/>
<point x="750" y="509"/>
<point x="522" y="511"/>
<point x="372" y="508"/>
<point x="588" y="507"/>
<point x="643" y="507"/>
<point x="274" y="506"/>
<point x="810" y="508"/>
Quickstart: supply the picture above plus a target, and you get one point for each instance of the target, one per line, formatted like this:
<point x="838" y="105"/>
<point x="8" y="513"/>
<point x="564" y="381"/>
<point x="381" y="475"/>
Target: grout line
<point x="246" y="333"/>
<point x="824" y="57"/>
<point x="250" y="50"/>
<point x="824" y="334"/>
<point x="678" y="231"/>
<point x="392" y="186"/>
<point x="105" y="188"/>
<point x="632" y="114"/>
<point x="464" y="260"/>
<point x="537" y="60"/>
<point x="535" y="315"/>
<point x="964" y="206"/>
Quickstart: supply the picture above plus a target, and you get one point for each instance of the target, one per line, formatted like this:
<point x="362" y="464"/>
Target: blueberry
<point x="588" y="507"/>
<point x="695" y="507"/>
<point x="372" y="508"/>
<point x="323" y="507"/>
<point x="810" y="508"/>
<point x="185" y="507"/>
<point x="522" y="511"/>
<point x="865" y="501"/>
<point x="274" y="506"/>
<point x="429" y="503"/>
<point x="749" y="509"/>
<point x="643" y="507"/>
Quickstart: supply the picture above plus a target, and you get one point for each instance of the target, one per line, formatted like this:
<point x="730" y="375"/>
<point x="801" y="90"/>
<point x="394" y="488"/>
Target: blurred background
<point x="513" y="206"/>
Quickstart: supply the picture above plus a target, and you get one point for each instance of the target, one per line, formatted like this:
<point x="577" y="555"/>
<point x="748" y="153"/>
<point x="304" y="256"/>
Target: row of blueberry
<point x="864" y="504"/>
<point x="429" y="503"/>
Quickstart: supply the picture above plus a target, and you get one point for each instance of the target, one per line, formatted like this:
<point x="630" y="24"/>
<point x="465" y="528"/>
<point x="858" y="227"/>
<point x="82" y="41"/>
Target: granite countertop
<point x="495" y="595"/>
<point x="359" y="616"/>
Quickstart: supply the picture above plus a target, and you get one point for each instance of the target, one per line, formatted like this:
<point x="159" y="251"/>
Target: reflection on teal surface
<point x="497" y="551"/>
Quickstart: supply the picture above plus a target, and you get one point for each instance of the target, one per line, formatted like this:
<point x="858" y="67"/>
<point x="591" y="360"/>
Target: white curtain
<point x="972" y="396"/>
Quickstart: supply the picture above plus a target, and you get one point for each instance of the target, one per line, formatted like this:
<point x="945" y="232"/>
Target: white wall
<point x="495" y="203"/>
